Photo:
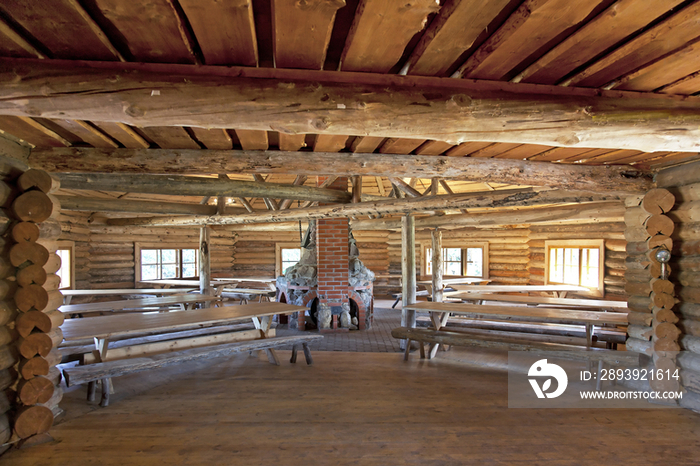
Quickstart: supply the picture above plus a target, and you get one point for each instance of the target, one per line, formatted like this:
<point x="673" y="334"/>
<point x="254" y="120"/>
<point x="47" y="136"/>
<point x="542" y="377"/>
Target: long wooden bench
<point x="105" y="370"/>
<point x="450" y="337"/>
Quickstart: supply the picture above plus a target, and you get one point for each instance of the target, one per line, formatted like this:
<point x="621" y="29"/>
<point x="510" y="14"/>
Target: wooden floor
<point x="346" y="409"/>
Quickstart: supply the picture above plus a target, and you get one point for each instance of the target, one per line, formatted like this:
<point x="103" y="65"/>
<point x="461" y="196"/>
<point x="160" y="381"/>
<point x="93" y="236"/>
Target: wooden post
<point x="436" y="236"/>
<point x="205" y="262"/>
<point x="356" y="189"/>
<point x="408" y="272"/>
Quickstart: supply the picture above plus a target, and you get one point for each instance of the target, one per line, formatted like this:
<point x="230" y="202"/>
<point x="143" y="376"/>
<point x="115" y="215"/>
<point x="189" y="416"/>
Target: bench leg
<point x="91" y="389"/>
<point x="307" y="353"/>
<point x="408" y="350"/>
<point x="105" y="392"/>
<point x="422" y="349"/>
<point x="395" y="303"/>
<point x="293" y="359"/>
<point x="433" y="350"/>
<point x="599" y="381"/>
<point x="272" y="357"/>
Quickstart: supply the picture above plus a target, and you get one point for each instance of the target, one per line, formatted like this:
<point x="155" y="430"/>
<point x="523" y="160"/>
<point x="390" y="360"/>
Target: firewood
<point x="43" y="321"/>
<point x="35" y="206"/>
<point x="666" y="330"/>
<point x="28" y="251"/>
<point x="29" y="368"/>
<point x="37" y="179"/>
<point x="666" y="344"/>
<point x="33" y="420"/>
<point x="32" y="274"/>
<point x="39" y="343"/>
<point x="639" y="318"/>
<point x="659" y="225"/>
<point x="658" y="201"/>
<point x="36" y="390"/>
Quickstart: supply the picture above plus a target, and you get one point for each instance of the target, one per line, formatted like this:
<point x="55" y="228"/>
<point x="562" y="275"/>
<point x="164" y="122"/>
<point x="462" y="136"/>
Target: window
<point x="161" y="263"/>
<point x="65" y="272"/>
<point x="289" y="258"/>
<point x="286" y="255"/>
<point x="469" y="261"/>
<point x="575" y="263"/>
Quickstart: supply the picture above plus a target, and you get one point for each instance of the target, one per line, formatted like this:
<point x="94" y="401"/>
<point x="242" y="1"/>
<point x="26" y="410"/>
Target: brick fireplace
<point x="329" y="279"/>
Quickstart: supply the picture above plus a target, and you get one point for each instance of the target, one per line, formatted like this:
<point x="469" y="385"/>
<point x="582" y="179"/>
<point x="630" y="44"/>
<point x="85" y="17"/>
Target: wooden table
<point x="125" y="325"/>
<point x="217" y="283"/>
<point x="185" y="301"/>
<point x="68" y="294"/>
<point x="558" y="290"/>
<point x="599" y="304"/>
<point x="440" y="312"/>
<point x="266" y="294"/>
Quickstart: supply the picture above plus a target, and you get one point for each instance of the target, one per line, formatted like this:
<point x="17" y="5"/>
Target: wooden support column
<point x="408" y="271"/>
<point x="436" y="236"/>
<point x="205" y="262"/>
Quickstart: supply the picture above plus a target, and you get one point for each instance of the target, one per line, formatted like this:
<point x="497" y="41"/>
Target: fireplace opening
<point x="312" y="319"/>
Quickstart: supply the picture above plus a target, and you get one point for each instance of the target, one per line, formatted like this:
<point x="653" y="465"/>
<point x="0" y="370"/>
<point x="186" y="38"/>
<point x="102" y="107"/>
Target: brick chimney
<point x="332" y="251"/>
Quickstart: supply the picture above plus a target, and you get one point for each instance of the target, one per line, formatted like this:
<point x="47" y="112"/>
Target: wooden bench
<point x="556" y="350"/>
<point x="246" y="294"/>
<point x="106" y="370"/>
<point x="531" y="330"/>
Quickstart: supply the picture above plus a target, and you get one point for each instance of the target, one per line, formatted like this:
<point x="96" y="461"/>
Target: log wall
<point x="684" y="183"/>
<point x="111" y="252"/>
<point x="614" y="235"/>
<point x="29" y="298"/>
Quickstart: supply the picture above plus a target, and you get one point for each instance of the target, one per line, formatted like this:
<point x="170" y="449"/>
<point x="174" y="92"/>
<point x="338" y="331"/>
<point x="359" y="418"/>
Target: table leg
<point x="101" y="347"/>
<point x="263" y="324"/>
<point x="589" y="335"/>
<point x="407" y="350"/>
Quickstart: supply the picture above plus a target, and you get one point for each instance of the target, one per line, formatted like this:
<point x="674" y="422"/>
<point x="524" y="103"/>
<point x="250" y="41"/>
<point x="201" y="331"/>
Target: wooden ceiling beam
<point x="588" y="212"/>
<point x="344" y="103"/>
<point x="391" y="206"/>
<point x="200" y="162"/>
<point x="88" y="204"/>
<point x="194" y="186"/>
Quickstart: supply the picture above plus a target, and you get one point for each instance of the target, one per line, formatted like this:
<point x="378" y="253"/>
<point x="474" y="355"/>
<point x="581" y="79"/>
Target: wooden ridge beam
<point x="200" y="162"/>
<point x="195" y="186"/>
<point x="375" y="208"/>
<point x="584" y="213"/>
<point x="346" y="103"/>
<point x="87" y="204"/>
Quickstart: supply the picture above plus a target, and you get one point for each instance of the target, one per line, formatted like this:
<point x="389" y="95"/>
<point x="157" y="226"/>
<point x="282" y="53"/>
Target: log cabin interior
<point x="317" y="153"/>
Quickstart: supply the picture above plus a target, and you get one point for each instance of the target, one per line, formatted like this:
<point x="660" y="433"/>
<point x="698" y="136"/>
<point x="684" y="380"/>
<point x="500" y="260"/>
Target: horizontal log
<point x="36" y="390"/>
<point x="32" y="420"/>
<point x="39" y="343"/>
<point x="639" y="318"/>
<point x="344" y="103"/>
<point x="176" y="185"/>
<point x="686" y="193"/>
<point x="86" y="204"/>
<point x="691" y="310"/>
<point x="689" y="327"/>
<point x="43" y="321"/>
<point x="640" y="332"/>
<point x="664" y="315"/>
<point x="639" y="346"/>
<point x="680" y="175"/>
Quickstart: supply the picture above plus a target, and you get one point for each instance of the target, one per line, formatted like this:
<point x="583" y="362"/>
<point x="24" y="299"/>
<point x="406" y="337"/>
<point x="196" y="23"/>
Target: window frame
<point x="70" y="246"/>
<point x="484" y="246"/>
<point x="278" y="255"/>
<point x="578" y="244"/>
<point x="179" y="246"/>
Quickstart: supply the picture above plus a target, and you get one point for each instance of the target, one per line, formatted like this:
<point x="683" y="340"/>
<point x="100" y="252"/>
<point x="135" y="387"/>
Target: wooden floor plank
<point x="351" y="408"/>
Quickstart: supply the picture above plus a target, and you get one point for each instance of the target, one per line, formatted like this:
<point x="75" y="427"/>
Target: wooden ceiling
<point x="649" y="46"/>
